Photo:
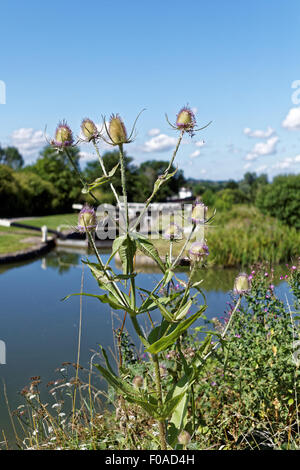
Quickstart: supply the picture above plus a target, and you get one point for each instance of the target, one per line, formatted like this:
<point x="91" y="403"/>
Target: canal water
<point x="40" y="330"/>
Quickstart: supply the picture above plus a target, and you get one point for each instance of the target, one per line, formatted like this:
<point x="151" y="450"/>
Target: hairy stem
<point x="161" y="424"/>
<point x="105" y="172"/>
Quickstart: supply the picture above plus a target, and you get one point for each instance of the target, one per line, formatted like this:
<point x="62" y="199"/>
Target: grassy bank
<point x="244" y="236"/>
<point x="11" y="237"/>
<point x="10" y="243"/>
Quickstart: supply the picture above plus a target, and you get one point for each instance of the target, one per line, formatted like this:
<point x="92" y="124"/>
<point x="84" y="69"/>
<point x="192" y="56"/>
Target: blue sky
<point x="233" y="61"/>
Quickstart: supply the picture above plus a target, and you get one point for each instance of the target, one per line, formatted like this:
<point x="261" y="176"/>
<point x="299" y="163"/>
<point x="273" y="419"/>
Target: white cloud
<point x="287" y="162"/>
<point x="159" y="143"/>
<point x="261" y="168"/>
<point x="87" y="156"/>
<point x="153" y="132"/>
<point x="247" y="165"/>
<point x="258" y="134"/>
<point x="292" y="120"/>
<point x="263" y="148"/>
<point x="195" y="154"/>
<point x="195" y="110"/>
<point x="28" y="141"/>
<point x="200" y="143"/>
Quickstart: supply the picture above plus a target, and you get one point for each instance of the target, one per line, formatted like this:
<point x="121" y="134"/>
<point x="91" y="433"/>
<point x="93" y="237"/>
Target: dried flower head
<point x="63" y="135"/>
<point x="173" y="232"/>
<point x="87" y="221"/>
<point x="89" y="129"/>
<point x="199" y="213"/>
<point x="241" y="284"/>
<point x="198" y="252"/>
<point x="184" y="438"/>
<point x="138" y="381"/>
<point x="117" y="130"/>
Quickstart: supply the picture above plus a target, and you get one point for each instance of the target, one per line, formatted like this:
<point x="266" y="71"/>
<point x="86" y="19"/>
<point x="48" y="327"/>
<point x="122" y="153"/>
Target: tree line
<point x="51" y="185"/>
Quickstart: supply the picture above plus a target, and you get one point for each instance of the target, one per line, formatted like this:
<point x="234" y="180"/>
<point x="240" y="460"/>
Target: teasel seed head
<point x="63" y="136"/>
<point x="241" y="284"/>
<point x="198" y="252"/>
<point x="89" y="129"/>
<point x="87" y="220"/>
<point x="173" y="232"/>
<point x="199" y="213"/>
<point x="186" y="119"/>
<point x="184" y="438"/>
<point x="117" y="130"/>
<point x="138" y="381"/>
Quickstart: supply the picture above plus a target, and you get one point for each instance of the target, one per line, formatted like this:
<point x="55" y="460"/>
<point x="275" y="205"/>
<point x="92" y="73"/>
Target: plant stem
<point x="184" y="246"/>
<point x="105" y="172"/>
<point x="161" y="424"/>
<point x="226" y="329"/>
<point x="83" y="182"/>
<point x="154" y="191"/>
<point x="123" y="181"/>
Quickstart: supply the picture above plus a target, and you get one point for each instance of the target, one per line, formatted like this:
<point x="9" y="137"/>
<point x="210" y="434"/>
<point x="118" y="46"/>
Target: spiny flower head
<point x="63" y="135"/>
<point x="199" y="213"/>
<point x="138" y="381"/>
<point x="198" y="251"/>
<point x="184" y="438"/>
<point x="87" y="220"/>
<point x="241" y="284"/>
<point x="117" y="130"/>
<point x="89" y="129"/>
<point x="173" y="232"/>
<point x="186" y="120"/>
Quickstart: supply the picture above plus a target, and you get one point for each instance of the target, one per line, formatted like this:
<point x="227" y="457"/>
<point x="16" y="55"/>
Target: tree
<point x="56" y="168"/>
<point x="11" y="157"/>
<point x="152" y="169"/>
<point x="281" y="199"/>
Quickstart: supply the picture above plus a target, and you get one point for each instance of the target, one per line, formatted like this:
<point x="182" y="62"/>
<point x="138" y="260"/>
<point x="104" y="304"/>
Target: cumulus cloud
<point x="195" y="154"/>
<point x="200" y="143"/>
<point x="292" y="120"/>
<point x="259" y="134"/>
<point x="159" y="143"/>
<point x="153" y="132"/>
<point x="263" y="148"/>
<point x="87" y="156"/>
<point x="261" y="168"/>
<point x="247" y="165"/>
<point x="28" y="141"/>
<point x="287" y="162"/>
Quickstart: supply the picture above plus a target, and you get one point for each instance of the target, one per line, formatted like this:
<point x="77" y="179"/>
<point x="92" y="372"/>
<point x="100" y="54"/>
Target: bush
<point x="11" y="194"/>
<point x="38" y="195"/>
<point x="281" y="199"/>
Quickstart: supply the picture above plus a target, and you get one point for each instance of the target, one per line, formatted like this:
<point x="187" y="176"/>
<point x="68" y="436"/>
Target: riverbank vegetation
<point x="246" y="395"/>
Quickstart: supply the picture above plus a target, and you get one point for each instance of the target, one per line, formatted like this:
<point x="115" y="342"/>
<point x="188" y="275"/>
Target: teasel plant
<point x="121" y="293"/>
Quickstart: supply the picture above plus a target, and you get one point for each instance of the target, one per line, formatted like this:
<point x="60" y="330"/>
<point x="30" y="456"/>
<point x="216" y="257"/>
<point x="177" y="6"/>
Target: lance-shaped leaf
<point x="130" y="393"/>
<point x="182" y="312"/>
<point x="146" y="247"/>
<point x="108" y="299"/>
<point x="127" y="250"/>
<point x="99" y="181"/>
<point x="179" y="416"/>
<point x="165" y="341"/>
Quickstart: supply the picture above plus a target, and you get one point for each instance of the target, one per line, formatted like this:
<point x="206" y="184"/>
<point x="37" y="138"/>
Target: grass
<point x="12" y="243"/>
<point x="10" y="237"/>
<point x="52" y="221"/>
<point x="244" y="236"/>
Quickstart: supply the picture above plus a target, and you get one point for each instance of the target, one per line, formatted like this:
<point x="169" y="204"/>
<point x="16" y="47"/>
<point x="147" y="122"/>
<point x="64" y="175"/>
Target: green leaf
<point x="146" y="247"/>
<point x="127" y="250"/>
<point x="184" y="310"/>
<point x="102" y="180"/>
<point x="164" y="342"/>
